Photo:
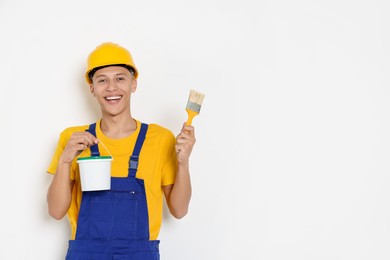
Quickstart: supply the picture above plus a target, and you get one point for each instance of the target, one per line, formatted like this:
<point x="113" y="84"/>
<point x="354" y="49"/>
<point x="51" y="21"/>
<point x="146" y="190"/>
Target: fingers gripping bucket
<point x="95" y="172"/>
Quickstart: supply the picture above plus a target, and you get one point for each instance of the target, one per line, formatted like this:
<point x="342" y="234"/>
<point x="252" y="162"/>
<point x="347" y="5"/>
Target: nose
<point x="111" y="85"/>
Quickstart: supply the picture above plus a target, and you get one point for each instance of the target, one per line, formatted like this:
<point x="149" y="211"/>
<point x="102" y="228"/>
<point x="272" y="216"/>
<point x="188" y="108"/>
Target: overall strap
<point x="133" y="162"/>
<point x="94" y="148"/>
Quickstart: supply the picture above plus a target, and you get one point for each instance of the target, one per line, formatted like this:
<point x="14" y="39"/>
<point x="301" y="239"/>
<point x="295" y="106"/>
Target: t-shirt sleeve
<point x="64" y="137"/>
<point x="170" y="162"/>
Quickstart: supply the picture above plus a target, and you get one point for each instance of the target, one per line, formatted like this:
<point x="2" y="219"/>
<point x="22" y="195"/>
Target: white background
<point x="293" y="146"/>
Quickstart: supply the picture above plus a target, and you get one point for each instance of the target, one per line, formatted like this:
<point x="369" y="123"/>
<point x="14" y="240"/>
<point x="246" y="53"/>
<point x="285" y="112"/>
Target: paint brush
<point x="194" y="104"/>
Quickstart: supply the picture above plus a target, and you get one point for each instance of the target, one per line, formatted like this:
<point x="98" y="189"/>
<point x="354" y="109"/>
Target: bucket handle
<point x="106" y="148"/>
<point x="100" y="142"/>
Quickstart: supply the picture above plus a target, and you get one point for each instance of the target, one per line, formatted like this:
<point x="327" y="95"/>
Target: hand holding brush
<point x="186" y="139"/>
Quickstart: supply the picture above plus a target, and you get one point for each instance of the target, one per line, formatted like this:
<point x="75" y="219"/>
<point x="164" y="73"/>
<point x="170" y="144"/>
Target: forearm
<point x="59" y="194"/>
<point x="181" y="192"/>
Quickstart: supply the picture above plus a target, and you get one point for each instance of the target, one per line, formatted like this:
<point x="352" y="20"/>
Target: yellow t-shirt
<point x="157" y="167"/>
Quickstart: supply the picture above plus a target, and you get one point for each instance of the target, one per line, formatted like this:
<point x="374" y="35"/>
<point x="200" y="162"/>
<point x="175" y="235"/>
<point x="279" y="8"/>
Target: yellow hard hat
<point x="108" y="54"/>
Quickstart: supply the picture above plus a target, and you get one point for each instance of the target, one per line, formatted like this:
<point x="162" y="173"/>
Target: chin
<point x="113" y="113"/>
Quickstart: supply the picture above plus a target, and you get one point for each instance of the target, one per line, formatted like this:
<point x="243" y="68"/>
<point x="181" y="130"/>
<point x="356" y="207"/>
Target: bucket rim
<point x="95" y="158"/>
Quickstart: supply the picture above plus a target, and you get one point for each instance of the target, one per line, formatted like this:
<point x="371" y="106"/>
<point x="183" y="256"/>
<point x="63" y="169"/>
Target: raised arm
<point x="178" y="195"/>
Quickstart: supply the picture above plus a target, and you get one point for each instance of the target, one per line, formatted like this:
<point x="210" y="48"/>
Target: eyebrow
<point x="121" y="74"/>
<point x="117" y="74"/>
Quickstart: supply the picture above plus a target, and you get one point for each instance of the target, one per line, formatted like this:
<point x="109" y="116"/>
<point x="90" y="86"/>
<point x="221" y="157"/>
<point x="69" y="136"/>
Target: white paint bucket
<point x="95" y="173"/>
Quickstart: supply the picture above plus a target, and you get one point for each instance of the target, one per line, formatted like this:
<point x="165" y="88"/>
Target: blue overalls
<point x="113" y="224"/>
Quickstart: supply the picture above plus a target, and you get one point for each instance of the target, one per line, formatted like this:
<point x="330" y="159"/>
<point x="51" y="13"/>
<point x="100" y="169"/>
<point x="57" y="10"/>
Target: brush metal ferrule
<point x="193" y="106"/>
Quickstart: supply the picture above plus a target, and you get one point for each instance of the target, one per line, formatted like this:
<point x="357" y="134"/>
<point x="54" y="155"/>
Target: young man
<point x="149" y="162"/>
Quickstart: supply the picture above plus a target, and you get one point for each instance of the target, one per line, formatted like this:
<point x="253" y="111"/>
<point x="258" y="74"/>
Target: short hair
<point x="93" y="71"/>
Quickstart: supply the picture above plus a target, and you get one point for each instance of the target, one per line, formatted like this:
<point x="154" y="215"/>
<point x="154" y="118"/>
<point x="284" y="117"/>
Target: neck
<point x="118" y="126"/>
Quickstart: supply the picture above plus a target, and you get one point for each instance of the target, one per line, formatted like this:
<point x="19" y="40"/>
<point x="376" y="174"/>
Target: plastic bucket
<point x="95" y="173"/>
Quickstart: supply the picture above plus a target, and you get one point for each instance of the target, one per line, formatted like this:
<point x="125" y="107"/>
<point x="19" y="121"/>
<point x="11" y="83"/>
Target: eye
<point x="101" y="80"/>
<point x="120" y="79"/>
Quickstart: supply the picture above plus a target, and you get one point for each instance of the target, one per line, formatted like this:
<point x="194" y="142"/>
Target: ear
<point x="133" y="85"/>
<point x="92" y="89"/>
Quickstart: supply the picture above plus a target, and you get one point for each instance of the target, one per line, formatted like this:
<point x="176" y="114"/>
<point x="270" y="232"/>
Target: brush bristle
<point x="195" y="100"/>
<point x="196" y="97"/>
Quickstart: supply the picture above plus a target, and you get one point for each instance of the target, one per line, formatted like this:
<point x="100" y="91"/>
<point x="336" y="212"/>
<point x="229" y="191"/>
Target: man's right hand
<point x="77" y="143"/>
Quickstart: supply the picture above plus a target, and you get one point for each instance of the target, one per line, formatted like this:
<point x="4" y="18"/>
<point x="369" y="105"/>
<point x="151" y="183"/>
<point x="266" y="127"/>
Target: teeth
<point x="113" y="98"/>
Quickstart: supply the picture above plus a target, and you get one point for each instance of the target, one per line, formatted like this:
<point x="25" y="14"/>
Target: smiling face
<point x="112" y="86"/>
